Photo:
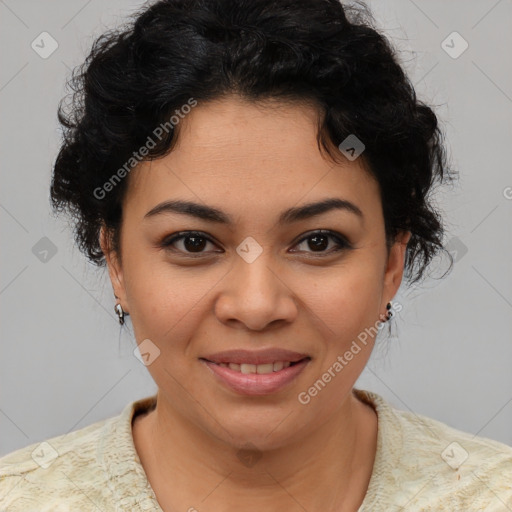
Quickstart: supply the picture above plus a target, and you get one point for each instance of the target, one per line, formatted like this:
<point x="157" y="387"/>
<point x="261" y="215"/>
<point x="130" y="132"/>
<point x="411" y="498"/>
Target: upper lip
<point x="241" y="356"/>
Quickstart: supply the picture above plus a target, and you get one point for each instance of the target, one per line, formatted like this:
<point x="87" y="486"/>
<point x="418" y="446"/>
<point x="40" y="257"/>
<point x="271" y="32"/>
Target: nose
<point x="256" y="295"/>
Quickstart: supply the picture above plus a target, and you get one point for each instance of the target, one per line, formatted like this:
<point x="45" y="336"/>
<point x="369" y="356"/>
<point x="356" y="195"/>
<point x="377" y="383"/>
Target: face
<point x="251" y="269"/>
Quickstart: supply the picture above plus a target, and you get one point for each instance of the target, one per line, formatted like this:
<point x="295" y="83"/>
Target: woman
<point x="255" y="176"/>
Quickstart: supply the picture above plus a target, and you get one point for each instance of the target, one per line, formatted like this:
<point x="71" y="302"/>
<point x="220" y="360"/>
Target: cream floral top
<point x="421" y="464"/>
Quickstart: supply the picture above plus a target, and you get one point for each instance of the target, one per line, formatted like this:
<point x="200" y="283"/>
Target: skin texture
<point x="254" y="161"/>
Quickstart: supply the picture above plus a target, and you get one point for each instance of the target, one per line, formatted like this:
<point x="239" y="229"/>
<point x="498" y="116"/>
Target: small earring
<point x="389" y="313"/>
<point x="120" y="313"/>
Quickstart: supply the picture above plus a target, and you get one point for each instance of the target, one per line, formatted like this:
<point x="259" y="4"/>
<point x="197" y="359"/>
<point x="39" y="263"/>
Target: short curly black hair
<point x="322" y="51"/>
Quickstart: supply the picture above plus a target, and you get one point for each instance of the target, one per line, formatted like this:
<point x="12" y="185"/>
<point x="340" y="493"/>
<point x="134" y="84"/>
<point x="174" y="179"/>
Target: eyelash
<point x="341" y="241"/>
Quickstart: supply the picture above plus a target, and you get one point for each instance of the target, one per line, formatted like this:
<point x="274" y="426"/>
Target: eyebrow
<point x="289" y="216"/>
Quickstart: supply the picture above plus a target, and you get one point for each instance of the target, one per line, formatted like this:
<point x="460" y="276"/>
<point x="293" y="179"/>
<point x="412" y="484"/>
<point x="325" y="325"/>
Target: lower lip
<point x="254" y="383"/>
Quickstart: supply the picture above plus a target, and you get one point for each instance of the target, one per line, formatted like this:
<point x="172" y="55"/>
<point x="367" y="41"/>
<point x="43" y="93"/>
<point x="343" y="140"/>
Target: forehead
<point x="257" y="155"/>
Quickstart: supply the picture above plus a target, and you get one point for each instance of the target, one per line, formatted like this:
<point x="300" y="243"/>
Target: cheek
<point x="345" y="300"/>
<point x="345" y="313"/>
<point x="166" y="302"/>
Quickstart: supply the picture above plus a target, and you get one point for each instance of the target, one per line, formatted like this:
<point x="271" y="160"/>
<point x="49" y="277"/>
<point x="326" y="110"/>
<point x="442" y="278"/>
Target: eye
<point x="318" y="241"/>
<point x="194" y="242"/>
<point x="191" y="241"/>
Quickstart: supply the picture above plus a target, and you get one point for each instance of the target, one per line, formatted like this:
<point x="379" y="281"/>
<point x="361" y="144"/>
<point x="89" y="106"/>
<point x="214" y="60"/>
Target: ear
<point x="114" y="267"/>
<point x="395" y="267"/>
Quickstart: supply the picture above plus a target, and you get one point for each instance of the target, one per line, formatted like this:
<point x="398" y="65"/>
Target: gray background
<point x="65" y="361"/>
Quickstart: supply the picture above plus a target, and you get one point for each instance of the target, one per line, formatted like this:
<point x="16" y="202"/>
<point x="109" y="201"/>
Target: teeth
<point x="278" y="365"/>
<point x="265" y="368"/>
<point x="248" y="368"/>
<point x="256" y="368"/>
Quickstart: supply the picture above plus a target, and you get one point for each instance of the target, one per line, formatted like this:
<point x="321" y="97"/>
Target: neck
<point x="327" y="469"/>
